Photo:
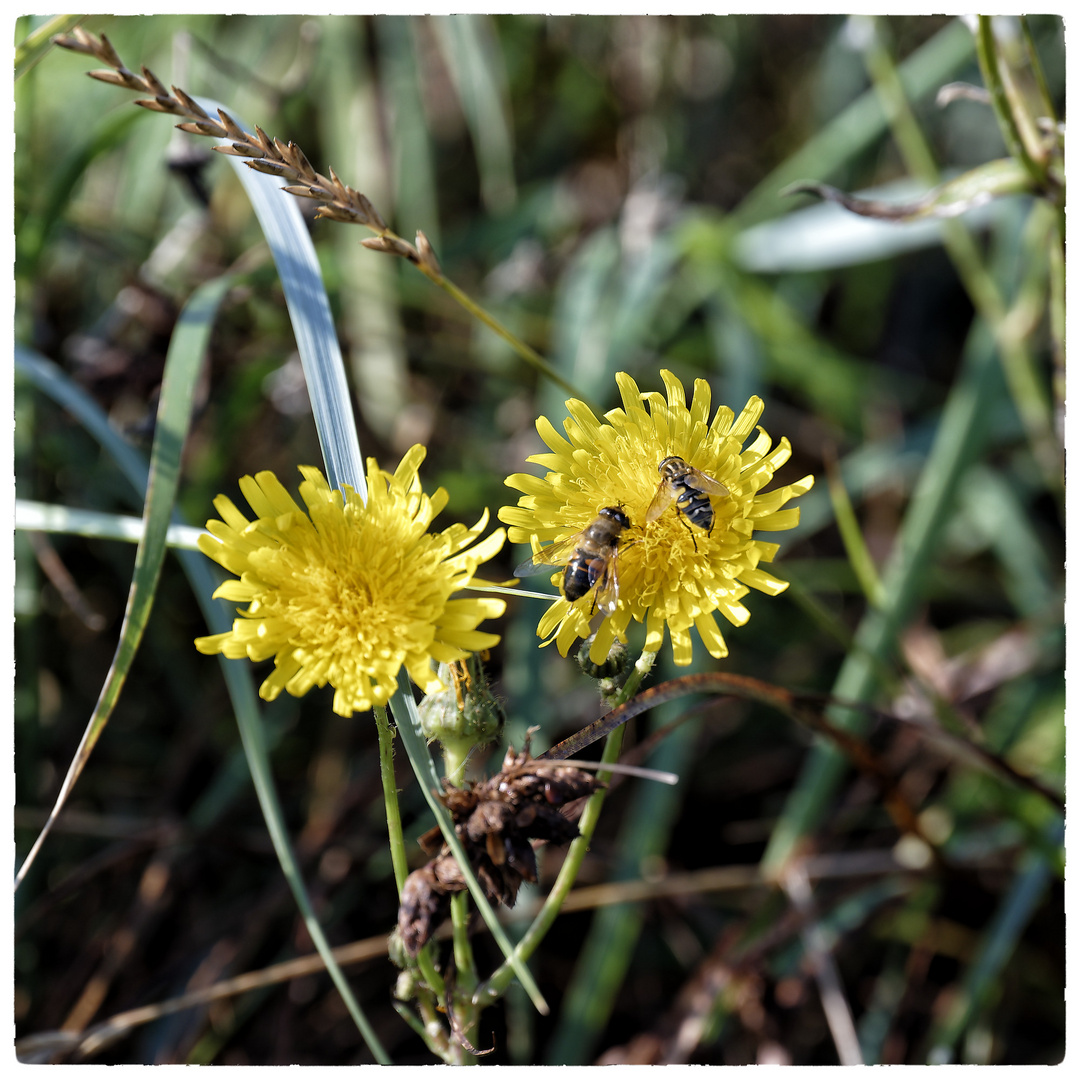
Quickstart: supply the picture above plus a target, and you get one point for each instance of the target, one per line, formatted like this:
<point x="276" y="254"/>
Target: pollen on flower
<point x="348" y="593"/>
<point x="689" y="554"/>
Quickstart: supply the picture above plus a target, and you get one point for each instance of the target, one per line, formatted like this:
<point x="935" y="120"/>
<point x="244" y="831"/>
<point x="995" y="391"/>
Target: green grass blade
<point x="416" y="201"/>
<point x="53" y="381"/>
<point x="313" y="325"/>
<point x="371" y="318"/>
<point x="581" y="319"/>
<point x="185" y="357"/>
<point x="48" y="517"/>
<point x="38" y="42"/>
<point x="854" y="544"/>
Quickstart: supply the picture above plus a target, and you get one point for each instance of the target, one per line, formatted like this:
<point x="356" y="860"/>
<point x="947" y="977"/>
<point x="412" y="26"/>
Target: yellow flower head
<point x="671" y="570"/>
<point x="348" y="592"/>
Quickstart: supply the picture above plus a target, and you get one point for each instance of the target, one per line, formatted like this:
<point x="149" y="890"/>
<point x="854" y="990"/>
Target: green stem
<point x="1017" y="127"/>
<point x="1005" y="107"/>
<point x="496" y="985"/>
<point x="409" y="729"/>
<point x="396" y="835"/>
<point x="1057" y="311"/>
<point x="526" y="352"/>
<point x="455" y="758"/>
<point x="466" y="1015"/>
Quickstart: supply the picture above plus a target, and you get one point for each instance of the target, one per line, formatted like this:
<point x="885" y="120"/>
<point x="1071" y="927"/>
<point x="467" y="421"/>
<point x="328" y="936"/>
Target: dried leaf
<point x="973" y="189"/>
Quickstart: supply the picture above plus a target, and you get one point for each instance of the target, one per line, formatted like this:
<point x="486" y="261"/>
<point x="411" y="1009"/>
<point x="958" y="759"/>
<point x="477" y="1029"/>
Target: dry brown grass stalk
<point x="339" y="202"/>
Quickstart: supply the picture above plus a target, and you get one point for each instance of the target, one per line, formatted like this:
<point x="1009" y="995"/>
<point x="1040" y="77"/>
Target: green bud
<point x="614" y="669"/>
<point x="466" y="713"/>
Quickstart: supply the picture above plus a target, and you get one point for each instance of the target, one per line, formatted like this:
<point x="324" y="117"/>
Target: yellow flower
<point x="349" y="592"/>
<point x="670" y="571"/>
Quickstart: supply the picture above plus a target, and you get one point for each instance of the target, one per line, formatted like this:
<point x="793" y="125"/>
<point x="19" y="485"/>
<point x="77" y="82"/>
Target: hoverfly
<point x="591" y="559"/>
<point x="689" y="490"/>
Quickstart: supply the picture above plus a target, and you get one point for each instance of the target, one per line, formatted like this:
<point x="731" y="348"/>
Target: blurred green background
<point x="609" y="188"/>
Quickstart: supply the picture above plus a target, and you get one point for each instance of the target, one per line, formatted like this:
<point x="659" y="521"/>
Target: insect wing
<point x="665" y="495"/>
<point x="707" y="484"/>
<point x="607" y="591"/>
<point x="557" y="554"/>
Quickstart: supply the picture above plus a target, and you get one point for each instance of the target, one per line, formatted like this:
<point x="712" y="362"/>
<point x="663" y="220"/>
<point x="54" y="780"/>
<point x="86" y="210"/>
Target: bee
<point x="689" y="490"/>
<point x="591" y="559"/>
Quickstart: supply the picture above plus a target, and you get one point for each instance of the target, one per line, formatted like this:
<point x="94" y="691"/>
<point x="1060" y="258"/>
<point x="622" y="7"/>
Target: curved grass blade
<point x="51" y="380"/>
<point x="824" y="235"/>
<point x="182" y="365"/>
<point x="313" y="325"/>
<point x="324" y="370"/>
<point x="960" y="195"/>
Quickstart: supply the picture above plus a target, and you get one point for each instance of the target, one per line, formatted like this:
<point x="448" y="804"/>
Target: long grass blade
<point x="48" y="517"/>
<point x="313" y="325"/>
<point x="182" y="364"/>
<point x="963" y="431"/>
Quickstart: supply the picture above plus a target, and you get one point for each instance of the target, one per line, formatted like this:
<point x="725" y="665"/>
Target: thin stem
<point x="494" y="987"/>
<point x="1057" y="311"/>
<point x="526" y="352"/>
<point x="396" y="836"/>
<point x="1005" y="106"/>
<point x="465" y="1014"/>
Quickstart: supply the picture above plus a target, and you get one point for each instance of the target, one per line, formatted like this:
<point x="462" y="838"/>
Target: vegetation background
<point x="609" y="188"/>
